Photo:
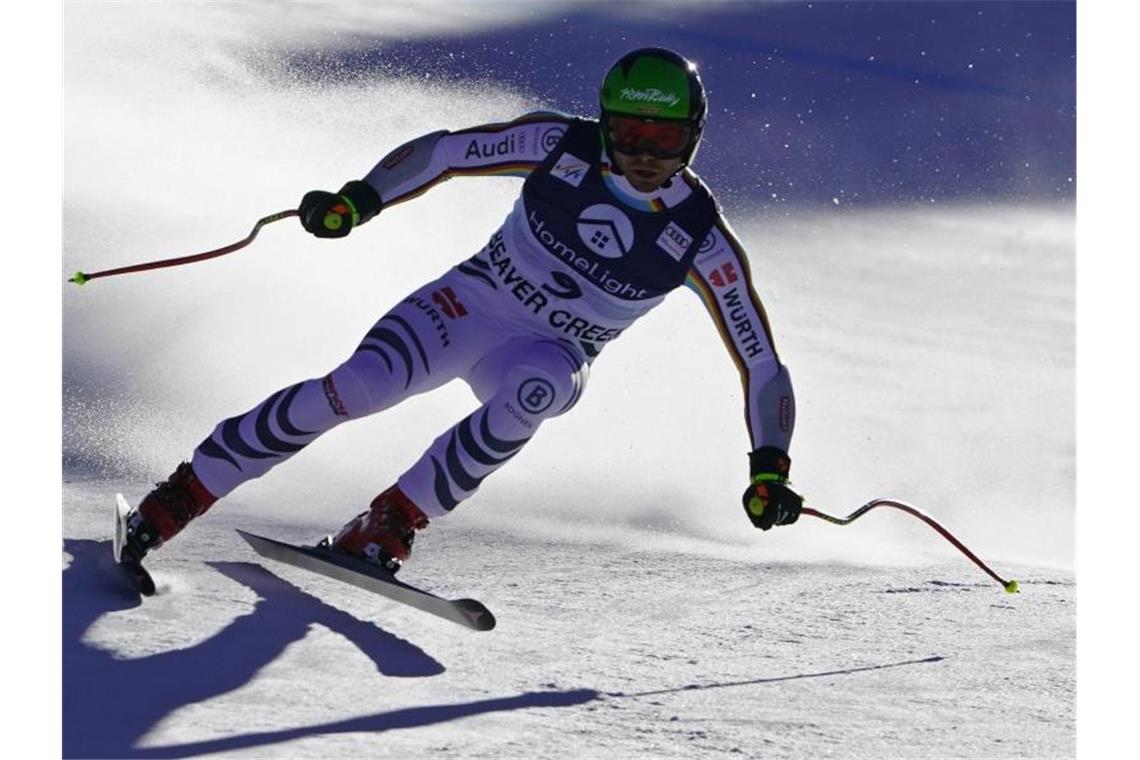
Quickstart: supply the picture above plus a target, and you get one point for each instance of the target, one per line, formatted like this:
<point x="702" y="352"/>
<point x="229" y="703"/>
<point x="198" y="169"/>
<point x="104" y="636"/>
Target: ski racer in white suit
<point x="609" y="221"/>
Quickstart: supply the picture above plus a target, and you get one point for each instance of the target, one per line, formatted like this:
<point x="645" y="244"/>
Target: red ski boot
<point x="166" y="510"/>
<point x="384" y="534"/>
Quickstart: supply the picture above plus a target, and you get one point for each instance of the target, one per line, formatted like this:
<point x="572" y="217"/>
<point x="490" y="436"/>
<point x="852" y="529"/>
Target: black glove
<point x="769" y="500"/>
<point x="333" y="215"/>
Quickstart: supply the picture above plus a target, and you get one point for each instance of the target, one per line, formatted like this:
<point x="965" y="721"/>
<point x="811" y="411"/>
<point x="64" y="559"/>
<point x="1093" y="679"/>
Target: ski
<point x="341" y="567"/>
<point x="132" y="568"/>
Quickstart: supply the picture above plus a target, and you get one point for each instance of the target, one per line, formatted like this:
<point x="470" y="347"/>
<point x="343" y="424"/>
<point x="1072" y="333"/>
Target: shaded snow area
<point x="639" y="614"/>
<point x="600" y="650"/>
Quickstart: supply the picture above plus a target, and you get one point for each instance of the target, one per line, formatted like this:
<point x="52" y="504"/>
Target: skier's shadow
<point x="109" y="703"/>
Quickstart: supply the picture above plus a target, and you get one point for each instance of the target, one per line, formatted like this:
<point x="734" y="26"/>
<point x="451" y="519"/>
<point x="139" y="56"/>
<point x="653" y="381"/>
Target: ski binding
<point x="132" y="568"/>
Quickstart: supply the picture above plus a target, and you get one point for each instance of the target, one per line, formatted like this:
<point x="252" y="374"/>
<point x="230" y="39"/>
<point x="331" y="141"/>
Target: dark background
<point x="810" y="103"/>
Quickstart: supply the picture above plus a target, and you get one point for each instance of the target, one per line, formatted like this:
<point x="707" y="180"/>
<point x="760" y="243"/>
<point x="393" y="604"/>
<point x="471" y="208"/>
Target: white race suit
<point x="581" y="256"/>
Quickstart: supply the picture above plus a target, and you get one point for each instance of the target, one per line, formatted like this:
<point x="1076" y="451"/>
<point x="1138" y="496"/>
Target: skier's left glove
<point x="769" y="499"/>
<point x="333" y="215"/>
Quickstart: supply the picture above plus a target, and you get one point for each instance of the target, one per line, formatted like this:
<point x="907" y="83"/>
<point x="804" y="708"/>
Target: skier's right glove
<point x="333" y="215"/>
<point x="769" y="499"/>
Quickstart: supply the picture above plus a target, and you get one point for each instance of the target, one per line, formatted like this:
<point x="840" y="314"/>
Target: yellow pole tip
<point x="1012" y="587"/>
<point x="78" y="278"/>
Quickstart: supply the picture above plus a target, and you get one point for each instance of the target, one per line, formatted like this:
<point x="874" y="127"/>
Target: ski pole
<point x="1011" y="586"/>
<point x="81" y="277"/>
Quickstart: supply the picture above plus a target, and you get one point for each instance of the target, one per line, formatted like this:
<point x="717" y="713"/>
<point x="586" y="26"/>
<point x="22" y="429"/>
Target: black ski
<point x="132" y="568"/>
<point x="466" y="612"/>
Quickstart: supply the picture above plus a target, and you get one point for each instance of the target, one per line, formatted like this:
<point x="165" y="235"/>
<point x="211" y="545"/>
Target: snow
<point x="932" y="348"/>
<point x="598" y="650"/>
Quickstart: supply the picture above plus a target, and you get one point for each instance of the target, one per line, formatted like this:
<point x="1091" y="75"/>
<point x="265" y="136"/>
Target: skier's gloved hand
<point x="333" y="215"/>
<point x="769" y="500"/>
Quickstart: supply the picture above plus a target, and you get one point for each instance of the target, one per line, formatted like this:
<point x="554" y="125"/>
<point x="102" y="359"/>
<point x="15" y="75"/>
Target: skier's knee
<point x="349" y="388"/>
<point x="548" y="380"/>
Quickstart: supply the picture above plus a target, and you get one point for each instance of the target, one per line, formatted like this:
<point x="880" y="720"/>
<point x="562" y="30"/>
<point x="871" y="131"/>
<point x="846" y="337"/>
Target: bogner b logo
<point x="570" y="169"/>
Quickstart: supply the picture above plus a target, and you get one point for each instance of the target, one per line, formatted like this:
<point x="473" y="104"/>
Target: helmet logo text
<point x="651" y="95"/>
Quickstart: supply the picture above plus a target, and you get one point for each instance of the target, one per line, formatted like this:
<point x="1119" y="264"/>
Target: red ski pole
<point x="81" y="277"/>
<point x="1011" y="586"/>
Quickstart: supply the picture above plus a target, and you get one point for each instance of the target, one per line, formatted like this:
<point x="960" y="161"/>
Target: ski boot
<point x="165" y="511"/>
<point x="384" y="534"/>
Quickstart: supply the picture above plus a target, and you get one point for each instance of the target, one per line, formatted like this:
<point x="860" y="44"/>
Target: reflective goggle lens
<point x="664" y="139"/>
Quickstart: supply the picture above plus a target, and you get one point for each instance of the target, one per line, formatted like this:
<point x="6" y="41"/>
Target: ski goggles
<point x="662" y="139"/>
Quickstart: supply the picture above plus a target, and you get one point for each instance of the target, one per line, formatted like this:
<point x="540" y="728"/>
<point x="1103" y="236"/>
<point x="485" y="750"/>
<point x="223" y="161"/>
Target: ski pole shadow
<point x="411" y="717"/>
<point x="109" y="702"/>
<point x="776" y="679"/>
<point x="417" y="717"/>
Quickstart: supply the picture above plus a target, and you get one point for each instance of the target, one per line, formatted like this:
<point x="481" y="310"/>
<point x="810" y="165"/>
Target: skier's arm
<point x="721" y="277"/>
<point x="514" y="148"/>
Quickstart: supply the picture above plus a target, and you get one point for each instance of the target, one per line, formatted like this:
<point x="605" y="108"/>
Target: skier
<point x="609" y="221"/>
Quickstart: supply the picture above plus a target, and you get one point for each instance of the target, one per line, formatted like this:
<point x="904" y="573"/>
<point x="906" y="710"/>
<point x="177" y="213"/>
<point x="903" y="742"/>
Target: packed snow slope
<point x="931" y="345"/>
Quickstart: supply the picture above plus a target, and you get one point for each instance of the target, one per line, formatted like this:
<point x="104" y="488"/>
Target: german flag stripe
<point x="742" y="259"/>
<point x="697" y="283"/>
<point x="511" y="169"/>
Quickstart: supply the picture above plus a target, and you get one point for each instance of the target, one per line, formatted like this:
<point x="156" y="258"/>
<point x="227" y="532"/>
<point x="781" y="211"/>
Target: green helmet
<point x="657" y="85"/>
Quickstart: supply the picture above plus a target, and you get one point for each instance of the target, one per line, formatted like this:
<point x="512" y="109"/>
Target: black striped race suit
<point x="581" y="256"/>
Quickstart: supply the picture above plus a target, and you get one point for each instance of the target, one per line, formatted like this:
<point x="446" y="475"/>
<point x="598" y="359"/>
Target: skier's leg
<point x="247" y="446"/>
<point x="411" y="349"/>
<point x="522" y="384"/>
<point x="393" y="362"/>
